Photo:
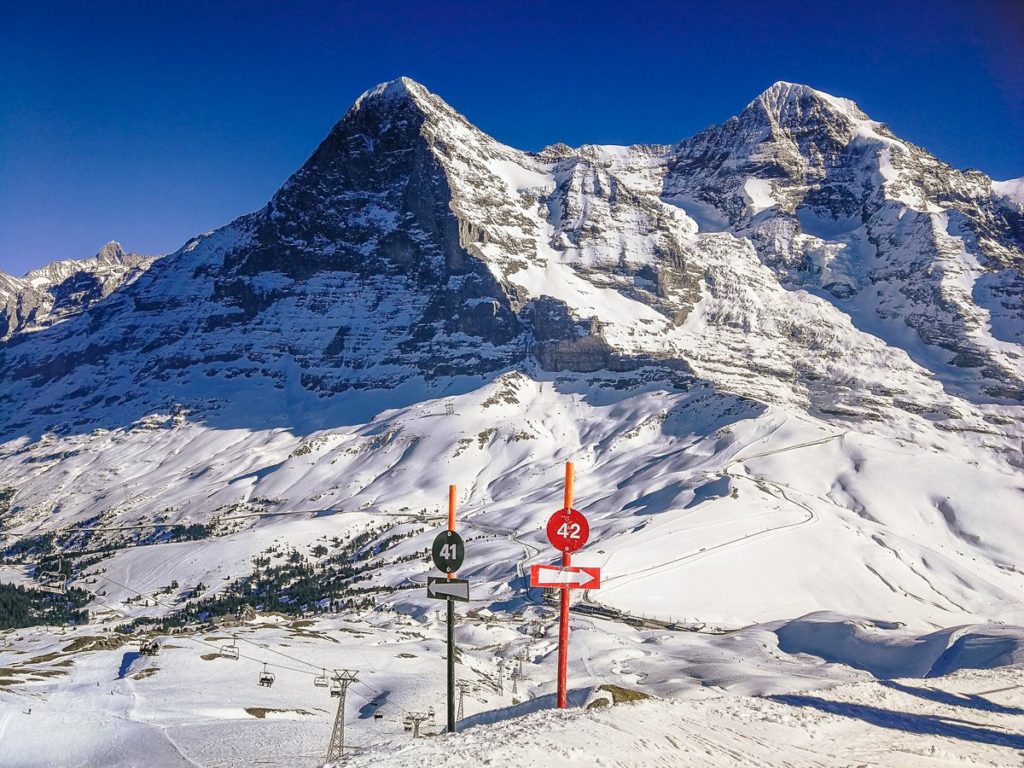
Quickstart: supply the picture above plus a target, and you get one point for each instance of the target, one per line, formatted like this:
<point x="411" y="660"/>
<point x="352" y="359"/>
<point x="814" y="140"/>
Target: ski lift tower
<point x="415" y="719"/>
<point x="342" y="679"/>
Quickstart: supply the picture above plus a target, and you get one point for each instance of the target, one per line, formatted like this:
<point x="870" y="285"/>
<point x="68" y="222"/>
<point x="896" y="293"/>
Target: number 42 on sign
<point x="568" y="530"/>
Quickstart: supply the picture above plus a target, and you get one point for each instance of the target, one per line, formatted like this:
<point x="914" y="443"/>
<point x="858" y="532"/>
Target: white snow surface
<point x="1013" y="189"/>
<point x="816" y="542"/>
<point x="759" y="193"/>
<point x="750" y="699"/>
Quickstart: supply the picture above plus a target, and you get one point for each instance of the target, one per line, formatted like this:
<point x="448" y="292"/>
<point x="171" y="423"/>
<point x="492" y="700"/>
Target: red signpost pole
<point x="563" y="625"/>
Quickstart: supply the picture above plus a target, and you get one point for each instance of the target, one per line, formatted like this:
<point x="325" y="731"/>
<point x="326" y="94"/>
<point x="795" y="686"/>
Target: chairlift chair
<point x="320" y="681"/>
<point x="52" y="580"/>
<point x="407" y="723"/>
<point x="266" y="677"/>
<point x="149" y="648"/>
<point x="335" y="685"/>
<point x="230" y="651"/>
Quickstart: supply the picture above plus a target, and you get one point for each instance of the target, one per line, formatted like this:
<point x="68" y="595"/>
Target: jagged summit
<point x="398" y="96"/>
<point x="63" y="289"/>
<point x="792" y="109"/>
<point x="782" y="96"/>
<point x="397" y="89"/>
<point x="112" y="253"/>
<point x="393" y="116"/>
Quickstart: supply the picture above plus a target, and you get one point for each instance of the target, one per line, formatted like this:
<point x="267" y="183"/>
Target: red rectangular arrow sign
<point x="565" y="577"/>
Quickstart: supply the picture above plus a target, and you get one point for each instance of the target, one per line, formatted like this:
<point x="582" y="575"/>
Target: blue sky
<point x="149" y="122"/>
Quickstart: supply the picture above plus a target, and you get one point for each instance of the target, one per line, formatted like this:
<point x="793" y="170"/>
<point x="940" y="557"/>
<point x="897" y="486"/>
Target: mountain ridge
<point x="795" y="342"/>
<point x="64" y="288"/>
<point x="404" y="188"/>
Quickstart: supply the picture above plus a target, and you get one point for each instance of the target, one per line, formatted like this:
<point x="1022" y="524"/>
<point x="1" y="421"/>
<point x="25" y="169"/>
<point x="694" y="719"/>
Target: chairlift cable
<point x="203" y="642"/>
<point x="374" y="692"/>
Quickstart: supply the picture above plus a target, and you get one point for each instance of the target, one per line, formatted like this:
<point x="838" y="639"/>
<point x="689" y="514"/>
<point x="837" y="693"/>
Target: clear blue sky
<point x="147" y="122"/>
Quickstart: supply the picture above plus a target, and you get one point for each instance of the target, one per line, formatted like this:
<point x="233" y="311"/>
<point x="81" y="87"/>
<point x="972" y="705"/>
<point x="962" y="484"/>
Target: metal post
<point x="451" y="666"/>
<point x="415" y="718"/>
<point x="563" y="619"/>
<point x="451" y="624"/>
<point x="336" y="749"/>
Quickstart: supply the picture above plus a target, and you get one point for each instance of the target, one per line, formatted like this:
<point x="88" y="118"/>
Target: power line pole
<point x="343" y="678"/>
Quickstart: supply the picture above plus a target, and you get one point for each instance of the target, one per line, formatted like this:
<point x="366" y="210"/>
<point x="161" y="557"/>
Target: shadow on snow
<point x="932" y="725"/>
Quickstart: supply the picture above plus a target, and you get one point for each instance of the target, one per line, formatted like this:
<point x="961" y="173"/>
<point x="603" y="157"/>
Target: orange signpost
<point x="567" y="531"/>
<point x="563" y="618"/>
<point x="451" y="623"/>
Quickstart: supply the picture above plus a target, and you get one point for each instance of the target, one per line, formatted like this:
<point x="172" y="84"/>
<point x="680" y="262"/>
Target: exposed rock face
<point x="370" y="214"/>
<point x="832" y="200"/>
<point x="798" y="252"/>
<point x="65" y="288"/>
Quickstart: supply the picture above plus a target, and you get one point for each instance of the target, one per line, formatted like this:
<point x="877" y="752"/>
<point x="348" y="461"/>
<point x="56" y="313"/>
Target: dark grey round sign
<point x="448" y="551"/>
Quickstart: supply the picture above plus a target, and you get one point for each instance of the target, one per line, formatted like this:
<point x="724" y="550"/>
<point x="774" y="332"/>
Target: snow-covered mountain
<point x="790" y="339"/>
<point x="785" y="355"/>
<point x="65" y="288"/>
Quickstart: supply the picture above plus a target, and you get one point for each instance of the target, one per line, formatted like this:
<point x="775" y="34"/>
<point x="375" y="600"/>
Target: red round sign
<point x="568" y="531"/>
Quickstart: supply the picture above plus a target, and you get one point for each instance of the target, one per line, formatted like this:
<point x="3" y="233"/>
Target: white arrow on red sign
<point x="565" y="577"/>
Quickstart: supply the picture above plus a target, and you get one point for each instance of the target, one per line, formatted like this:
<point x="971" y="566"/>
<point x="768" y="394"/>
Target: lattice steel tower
<point x="342" y="679"/>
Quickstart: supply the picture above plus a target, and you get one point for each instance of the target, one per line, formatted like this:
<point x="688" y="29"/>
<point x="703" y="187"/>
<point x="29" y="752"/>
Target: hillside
<point x="785" y="355"/>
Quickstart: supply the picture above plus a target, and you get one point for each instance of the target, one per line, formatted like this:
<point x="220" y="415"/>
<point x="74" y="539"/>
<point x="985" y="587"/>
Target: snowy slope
<point x="750" y="698"/>
<point x="785" y="355"/>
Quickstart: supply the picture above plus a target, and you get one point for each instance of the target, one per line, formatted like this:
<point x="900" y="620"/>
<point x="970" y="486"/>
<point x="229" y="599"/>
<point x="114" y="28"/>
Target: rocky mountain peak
<point x="791" y="116"/>
<point x="396" y="104"/>
<point x="399" y="89"/>
<point x="65" y="288"/>
<point x="112" y="253"/>
<point x="794" y="104"/>
<point x="363" y="146"/>
<point x="411" y="245"/>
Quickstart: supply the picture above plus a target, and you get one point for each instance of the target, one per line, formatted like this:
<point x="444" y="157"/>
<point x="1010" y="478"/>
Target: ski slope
<point x="754" y="697"/>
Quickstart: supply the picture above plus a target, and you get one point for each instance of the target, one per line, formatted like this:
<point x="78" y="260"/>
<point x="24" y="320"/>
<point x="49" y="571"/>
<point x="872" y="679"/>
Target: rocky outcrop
<point x="65" y="288"/>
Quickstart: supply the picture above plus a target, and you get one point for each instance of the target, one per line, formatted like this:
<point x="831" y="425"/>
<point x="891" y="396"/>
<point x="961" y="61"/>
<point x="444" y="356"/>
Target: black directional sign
<point x="448" y="551"/>
<point x="448" y="589"/>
